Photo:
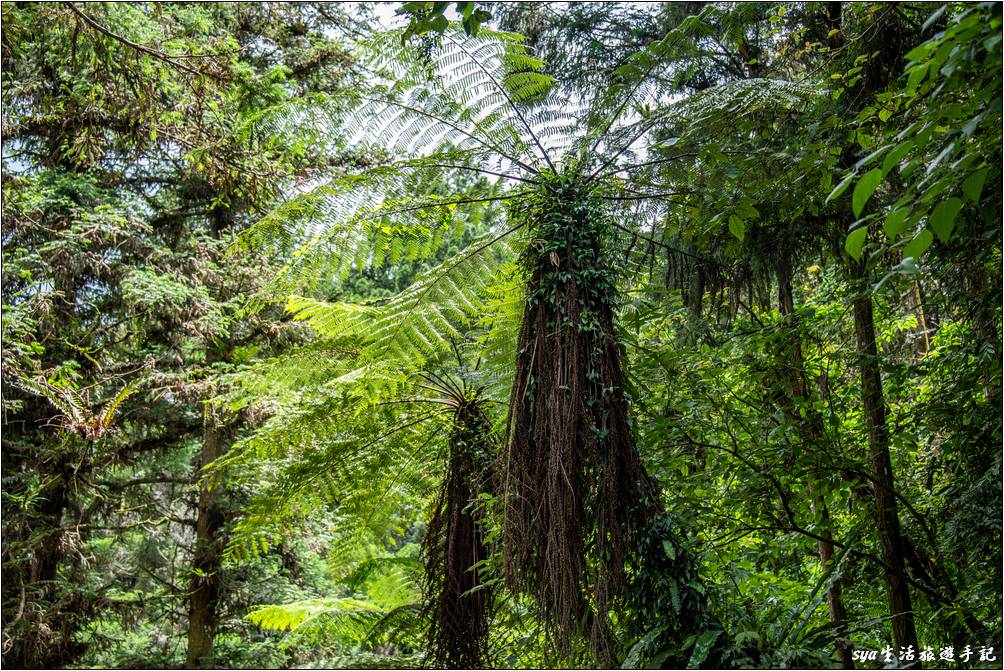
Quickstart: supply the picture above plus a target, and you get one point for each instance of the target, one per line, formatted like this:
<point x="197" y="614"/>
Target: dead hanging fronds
<point x="573" y="483"/>
<point x="458" y="600"/>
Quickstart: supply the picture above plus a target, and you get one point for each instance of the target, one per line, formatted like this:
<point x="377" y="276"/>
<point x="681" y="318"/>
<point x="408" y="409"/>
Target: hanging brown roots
<point x="458" y="604"/>
<point x="573" y="482"/>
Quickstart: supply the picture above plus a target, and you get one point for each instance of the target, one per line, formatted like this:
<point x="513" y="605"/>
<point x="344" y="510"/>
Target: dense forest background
<point x="543" y="334"/>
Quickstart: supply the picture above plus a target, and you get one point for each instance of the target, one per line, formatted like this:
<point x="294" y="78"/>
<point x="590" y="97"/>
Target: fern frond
<point x="68" y="405"/>
<point x="346" y="459"/>
<point x="420" y="323"/>
<point x="715" y="110"/>
<point x="343" y="619"/>
<point x="107" y="414"/>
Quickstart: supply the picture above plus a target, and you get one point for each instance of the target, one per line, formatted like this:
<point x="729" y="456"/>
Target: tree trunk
<point x="923" y="328"/>
<point x="834" y="595"/>
<point x="205" y="583"/>
<point x="810" y="429"/>
<point x="886" y="515"/>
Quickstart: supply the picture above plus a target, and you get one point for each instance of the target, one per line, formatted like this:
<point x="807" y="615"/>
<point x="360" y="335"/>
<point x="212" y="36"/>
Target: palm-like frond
<point x="69" y="403"/>
<point x="368" y="465"/>
<point x="477" y="93"/>
<point x="75" y="414"/>
<point x="107" y="414"/>
<point x="483" y="105"/>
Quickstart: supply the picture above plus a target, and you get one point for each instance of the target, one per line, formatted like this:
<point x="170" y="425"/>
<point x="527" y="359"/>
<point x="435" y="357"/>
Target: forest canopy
<point x="501" y="335"/>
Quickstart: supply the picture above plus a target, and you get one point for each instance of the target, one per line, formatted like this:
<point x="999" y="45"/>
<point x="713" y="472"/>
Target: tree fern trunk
<point x="578" y="500"/>
<point x="458" y="604"/>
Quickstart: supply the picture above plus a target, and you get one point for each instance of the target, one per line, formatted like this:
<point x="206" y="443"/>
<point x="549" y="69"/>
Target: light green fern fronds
<point x="342" y="622"/>
<point x="474" y="94"/>
<point x="420" y="323"/>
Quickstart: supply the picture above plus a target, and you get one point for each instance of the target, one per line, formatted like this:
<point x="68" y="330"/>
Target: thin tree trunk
<point x="38" y="586"/>
<point x="205" y="584"/>
<point x="50" y="610"/>
<point x="834" y="595"/>
<point x="924" y="346"/>
<point x="886" y="514"/>
<point x="695" y="295"/>
<point x="811" y="430"/>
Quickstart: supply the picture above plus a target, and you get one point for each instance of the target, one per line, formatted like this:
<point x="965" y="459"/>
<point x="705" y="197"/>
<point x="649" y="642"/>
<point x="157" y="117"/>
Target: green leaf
<point x="896" y="222"/>
<point x="972" y="125"/>
<point x="864" y="189"/>
<point x="635" y="657"/>
<point x="737" y="227"/>
<point x="439" y="24"/>
<point x="973" y="186"/>
<point x="942" y="218"/>
<point x="871" y="157"/>
<point x="669" y="550"/>
<point x="703" y="647"/>
<point x="919" y="244"/>
<point x="930" y="21"/>
<point x="840" y="188"/>
<point x="917" y="74"/>
<point x="856" y="241"/>
<point x="896" y="155"/>
<point x="940" y="157"/>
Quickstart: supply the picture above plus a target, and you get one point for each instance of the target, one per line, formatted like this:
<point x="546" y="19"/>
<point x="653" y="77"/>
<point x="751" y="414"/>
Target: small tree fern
<point x="372" y="444"/>
<point x="459" y="599"/>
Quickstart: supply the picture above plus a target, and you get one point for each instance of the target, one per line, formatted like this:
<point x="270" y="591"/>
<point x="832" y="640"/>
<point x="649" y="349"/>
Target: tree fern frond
<point x="494" y="347"/>
<point x="365" y="222"/>
<point x="717" y="108"/>
<point x="349" y="462"/>
<point x="480" y="91"/>
<point x="345" y="619"/>
<point x="419" y="323"/>
<point x="534" y="84"/>
<point x="400" y="618"/>
<point x="303" y="123"/>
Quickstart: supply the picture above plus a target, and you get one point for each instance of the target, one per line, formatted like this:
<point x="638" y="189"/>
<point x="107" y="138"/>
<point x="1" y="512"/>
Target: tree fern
<point x="367" y="452"/>
<point x="347" y="624"/>
<point x="482" y="105"/>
